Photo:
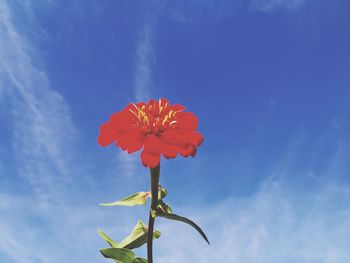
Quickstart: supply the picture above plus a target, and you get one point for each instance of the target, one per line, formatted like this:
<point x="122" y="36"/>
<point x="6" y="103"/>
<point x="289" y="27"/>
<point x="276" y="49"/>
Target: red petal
<point x="168" y="150"/>
<point x="140" y="104"/>
<point x="164" y="102"/>
<point x="178" y="108"/>
<point x="107" y="134"/>
<point x="182" y="137"/>
<point x="169" y="135"/>
<point x="186" y="120"/>
<point x="194" y="137"/>
<point x="131" y="141"/>
<point x="185" y="150"/>
<point x="119" y="122"/>
<point x="150" y="155"/>
<point x="151" y="104"/>
<point x="124" y="120"/>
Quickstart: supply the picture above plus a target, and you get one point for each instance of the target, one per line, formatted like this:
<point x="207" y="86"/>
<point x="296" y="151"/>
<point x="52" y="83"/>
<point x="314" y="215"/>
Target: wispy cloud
<point x="143" y="65"/>
<point x="43" y="224"/>
<point x="42" y="132"/>
<point x="145" y="60"/>
<point x="31" y="233"/>
<point x="278" y="224"/>
<point x="270" y="5"/>
<point x="42" y="127"/>
<point x="194" y="11"/>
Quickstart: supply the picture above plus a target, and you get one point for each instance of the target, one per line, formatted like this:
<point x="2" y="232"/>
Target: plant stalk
<point x="154" y="173"/>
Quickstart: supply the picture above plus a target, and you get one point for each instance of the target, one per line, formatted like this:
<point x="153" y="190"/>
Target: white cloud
<point x="143" y="66"/>
<point x="276" y="225"/>
<point x="45" y="224"/>
<point x="270" y="5"/>
<point x="31" y="233"/>
<point x="144" y="86"/>
<point x="193" y="12"/>
<point x="43" y="131"/>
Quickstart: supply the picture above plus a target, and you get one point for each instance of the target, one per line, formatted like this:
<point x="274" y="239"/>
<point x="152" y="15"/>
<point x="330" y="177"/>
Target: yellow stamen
<point x="134" y="113"/>
<point x="172" y="122"/>
<point x="165" y="119"/>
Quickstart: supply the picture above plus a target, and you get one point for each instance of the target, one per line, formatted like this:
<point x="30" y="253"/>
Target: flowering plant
<point x="158" y="128"/>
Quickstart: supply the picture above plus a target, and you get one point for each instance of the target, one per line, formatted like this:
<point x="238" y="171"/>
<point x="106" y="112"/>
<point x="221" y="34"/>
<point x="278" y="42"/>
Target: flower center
<point x="154" y="120"/>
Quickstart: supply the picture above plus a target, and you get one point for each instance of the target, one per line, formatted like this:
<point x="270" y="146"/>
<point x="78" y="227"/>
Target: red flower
<point x="157" y="127"/>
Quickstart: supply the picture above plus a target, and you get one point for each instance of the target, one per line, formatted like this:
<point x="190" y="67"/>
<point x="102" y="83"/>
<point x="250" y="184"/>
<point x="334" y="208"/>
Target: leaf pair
<point x="121" y="252"/>
<point x="122" y="255"/>
<point x="135" y="239"/>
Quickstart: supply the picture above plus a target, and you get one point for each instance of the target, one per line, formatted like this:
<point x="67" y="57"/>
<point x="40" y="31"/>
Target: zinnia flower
<point x="156" y="127"/>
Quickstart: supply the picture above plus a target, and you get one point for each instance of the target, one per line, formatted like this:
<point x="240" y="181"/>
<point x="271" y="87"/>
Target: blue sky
<point x="269" y="81"/>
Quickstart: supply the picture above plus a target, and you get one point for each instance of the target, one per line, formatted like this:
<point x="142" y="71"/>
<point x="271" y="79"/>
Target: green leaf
<point x="119" y="254"/>
<point x="138" y="198"/>
<point x="140" y="260"/>
<point x="162" y="193"/>
<point x="137" y="237"/>
<point x="111" y="242"/>
<point x="163" y="207"/>
<point x="185" y="220"/>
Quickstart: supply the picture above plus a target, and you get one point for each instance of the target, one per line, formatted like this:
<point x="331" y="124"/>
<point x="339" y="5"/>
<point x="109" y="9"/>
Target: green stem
<point x="154" y="191"/>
